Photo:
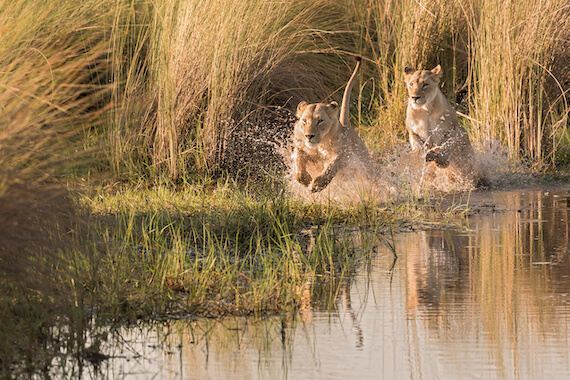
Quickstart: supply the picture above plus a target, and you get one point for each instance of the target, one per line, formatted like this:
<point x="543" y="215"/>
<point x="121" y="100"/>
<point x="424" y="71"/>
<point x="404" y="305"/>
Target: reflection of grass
<point x="501" y="284"/>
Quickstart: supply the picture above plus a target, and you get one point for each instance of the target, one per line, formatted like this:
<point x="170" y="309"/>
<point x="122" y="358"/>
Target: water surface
<point x="488" y="302"/>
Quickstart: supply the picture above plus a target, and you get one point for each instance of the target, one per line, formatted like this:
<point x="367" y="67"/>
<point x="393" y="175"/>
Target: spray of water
<point x="398" y="175"/>
<point x="403" y="173"/>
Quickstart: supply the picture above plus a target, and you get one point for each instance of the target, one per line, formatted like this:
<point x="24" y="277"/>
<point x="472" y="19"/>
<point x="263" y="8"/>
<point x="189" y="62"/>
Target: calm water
<point x="490" y="302"/>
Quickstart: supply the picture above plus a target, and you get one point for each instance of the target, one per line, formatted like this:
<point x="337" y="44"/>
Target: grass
<point x="140" y="146"/>
<point x="194" y="252"/>
<point x="528" y="116"/>
<point x="198" y="118"/>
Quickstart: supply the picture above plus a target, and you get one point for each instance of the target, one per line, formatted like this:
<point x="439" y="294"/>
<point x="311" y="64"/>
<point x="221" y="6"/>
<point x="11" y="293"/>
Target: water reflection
<point x="489" y="302"/>
<point x="494" y="300"/>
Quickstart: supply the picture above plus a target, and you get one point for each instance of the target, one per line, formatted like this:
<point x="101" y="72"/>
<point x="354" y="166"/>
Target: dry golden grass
<point x="186" y="83"/>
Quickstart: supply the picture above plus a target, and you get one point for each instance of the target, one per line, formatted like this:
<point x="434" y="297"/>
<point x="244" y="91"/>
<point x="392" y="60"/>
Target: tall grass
<point x="193" y="78"/>
<point x="53" y="55"/>
<point x="516" y="97"/>
<point x="197" y="71"/>
<point x="189" y="83"/>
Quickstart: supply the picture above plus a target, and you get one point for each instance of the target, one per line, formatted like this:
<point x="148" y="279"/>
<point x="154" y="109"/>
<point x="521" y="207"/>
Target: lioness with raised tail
<point x="324" y="142"/>
<point x="434" y="128"/>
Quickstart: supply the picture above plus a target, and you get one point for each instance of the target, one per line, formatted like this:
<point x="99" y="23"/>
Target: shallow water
<point x="489" y="302"/>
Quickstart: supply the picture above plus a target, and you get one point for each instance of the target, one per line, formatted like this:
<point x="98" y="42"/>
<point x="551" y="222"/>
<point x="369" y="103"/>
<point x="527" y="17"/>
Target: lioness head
<point x="422" y="85"/>
<point x="315" y="122"/>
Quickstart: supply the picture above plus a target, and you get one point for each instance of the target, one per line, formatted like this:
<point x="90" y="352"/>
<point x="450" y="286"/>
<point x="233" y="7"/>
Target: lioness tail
<point x="344" y="113"/>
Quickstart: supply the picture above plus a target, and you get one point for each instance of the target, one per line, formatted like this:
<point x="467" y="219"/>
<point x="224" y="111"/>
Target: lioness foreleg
<point x="416" y="141"/>
<point x="301" y="174"/>
<point x="322" y="181"/>
<point x="440" y="154"/>
<point x="458" y="142"/>
<point x="435" y="154"/>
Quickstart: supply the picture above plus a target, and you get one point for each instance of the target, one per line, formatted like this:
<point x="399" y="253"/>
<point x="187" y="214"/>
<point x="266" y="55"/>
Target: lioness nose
<point x="309" y="136"/>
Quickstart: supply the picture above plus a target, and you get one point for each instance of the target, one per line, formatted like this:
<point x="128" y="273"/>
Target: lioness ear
<point x="300" y="108"/>
<point x="437" y="70"/>
<point x="332" y="110"/>
<point x="408" y="71"/>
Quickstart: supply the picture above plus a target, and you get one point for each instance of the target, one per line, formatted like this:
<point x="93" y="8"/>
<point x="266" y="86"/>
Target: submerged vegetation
<point x="141" y="142"/>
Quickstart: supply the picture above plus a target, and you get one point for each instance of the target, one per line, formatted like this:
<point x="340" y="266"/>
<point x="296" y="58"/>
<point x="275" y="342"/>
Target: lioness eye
<point x="304" y="121"/>
<point x="425" y="85"/>
<point x="320" y="121"/>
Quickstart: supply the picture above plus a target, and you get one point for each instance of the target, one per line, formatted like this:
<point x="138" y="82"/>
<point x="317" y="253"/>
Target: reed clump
<point x="194" y="252"/>
<point x="517" y="99"/>
<point x="170" y="89"/>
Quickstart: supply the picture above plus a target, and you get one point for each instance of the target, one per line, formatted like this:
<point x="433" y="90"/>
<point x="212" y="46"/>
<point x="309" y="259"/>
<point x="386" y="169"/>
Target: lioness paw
<point x="314" y="188"/>
<point x="303" y="178"/>
<point x="433" y="155"/>
<point x="318" y="184"/>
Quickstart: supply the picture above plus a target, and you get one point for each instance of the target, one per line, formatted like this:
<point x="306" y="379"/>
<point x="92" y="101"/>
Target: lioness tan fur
<point x="324" y="142"/>
<point x="434" y="128"/>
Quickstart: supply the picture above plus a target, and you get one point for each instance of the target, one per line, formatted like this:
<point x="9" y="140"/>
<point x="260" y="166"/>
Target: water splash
<point x="398" y="174"/>
<point x="352" y="184"/>
<point x="402" y="173"/>
<point x="501" y="170"/>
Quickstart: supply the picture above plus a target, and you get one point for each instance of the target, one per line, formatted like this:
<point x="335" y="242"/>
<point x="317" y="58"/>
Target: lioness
<point x="324" y="142"/>
<point x="433" y="126"/>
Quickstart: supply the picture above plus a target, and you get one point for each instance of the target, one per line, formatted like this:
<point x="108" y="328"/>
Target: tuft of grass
<point x="230" y="252"/>
<point x="240" y="257"/>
